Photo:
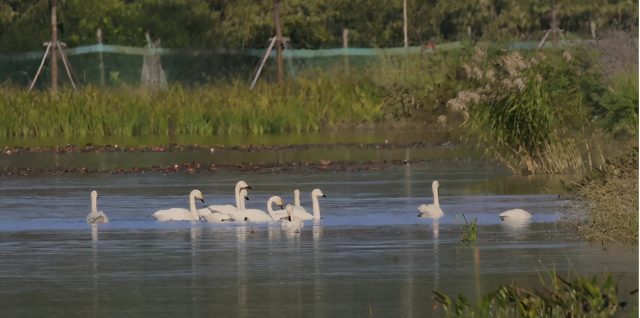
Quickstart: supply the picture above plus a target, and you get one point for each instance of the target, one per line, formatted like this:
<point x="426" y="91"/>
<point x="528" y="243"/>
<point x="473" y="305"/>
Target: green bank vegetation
<point x="574" y="297"/>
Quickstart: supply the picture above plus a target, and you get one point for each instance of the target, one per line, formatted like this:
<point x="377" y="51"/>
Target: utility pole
<point x="54" y="44"/>
<point x="405" y="28"/>
<point x="279" y="43"/>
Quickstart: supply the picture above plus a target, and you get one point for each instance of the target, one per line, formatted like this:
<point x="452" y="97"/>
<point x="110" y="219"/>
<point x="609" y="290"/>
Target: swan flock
<point x="291" y="217"/>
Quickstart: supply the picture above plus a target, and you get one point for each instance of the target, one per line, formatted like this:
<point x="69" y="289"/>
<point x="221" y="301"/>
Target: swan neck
<point x="94" y="205"/>
<point x="296" y="198"/>
<point x="316" y="207"/>
<point x="436" y="201"/>
<point x="239" y="203"/>
<point x="192" y="207"/>
<point x="269" y="207"/>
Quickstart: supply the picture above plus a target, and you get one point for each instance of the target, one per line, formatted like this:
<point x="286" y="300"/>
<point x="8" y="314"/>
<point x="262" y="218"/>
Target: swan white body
<point x="229" y="210"/>
<point x="96" y="217"/>
<point x="300" y="212"/>
<point x="291" y="223"/>
<point x="180" y="214"/>
<point x="256" y="215"/>
<point x="234" y="213"/>
<point x="515" y="215"/>
<point x="431" y="211"/>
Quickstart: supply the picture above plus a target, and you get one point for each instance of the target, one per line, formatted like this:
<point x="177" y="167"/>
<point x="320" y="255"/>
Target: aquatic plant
<point x="469" y="230"/>
<point x="608" y="201"/>
<point x="559" y="297"/>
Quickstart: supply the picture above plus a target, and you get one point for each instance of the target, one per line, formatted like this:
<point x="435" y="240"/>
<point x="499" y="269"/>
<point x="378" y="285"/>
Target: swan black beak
<point x="324" y="196"/>
<point x="202" y="200"/>
<point x="419" y="214"/>
<point x="246" y="198"/>
<point x="246" y="219"/>
<point x="281" y="206"/>
<point x="248" y="187"/>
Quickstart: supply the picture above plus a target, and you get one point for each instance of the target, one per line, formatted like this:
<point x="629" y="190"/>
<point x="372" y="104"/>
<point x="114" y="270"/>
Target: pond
<point x="369" y="256"/>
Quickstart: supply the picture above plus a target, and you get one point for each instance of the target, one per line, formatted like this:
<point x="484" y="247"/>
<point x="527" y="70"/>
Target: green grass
<point x="558" y="297"/>
<point x="221" y="109"/>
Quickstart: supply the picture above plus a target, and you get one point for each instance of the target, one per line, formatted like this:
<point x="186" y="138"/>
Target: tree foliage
<point x="24" y="24"/>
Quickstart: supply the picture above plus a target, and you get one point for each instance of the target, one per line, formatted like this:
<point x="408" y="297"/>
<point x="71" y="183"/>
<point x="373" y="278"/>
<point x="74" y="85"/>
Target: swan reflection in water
<point x="516" y="229"/>
<point x="241" y="265"/>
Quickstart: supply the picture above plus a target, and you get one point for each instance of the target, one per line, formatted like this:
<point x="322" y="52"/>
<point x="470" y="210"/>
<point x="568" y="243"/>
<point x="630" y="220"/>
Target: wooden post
<point x="345" y="46"/>
<point x="279" y="60"/>
<point x="405" y="27"/>
<point x="54" y="43"/>
<point x="100" y="60"/>
<point x="345" y="38"/>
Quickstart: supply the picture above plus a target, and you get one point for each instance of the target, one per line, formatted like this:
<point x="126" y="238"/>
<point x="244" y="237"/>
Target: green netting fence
<point x="123" y="65"/>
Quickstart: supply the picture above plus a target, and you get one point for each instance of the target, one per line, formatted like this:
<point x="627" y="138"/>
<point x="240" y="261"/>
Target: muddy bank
<point x="113" y="159"/>
<point x="8" y="150"/>
<point x="209" y="167"/>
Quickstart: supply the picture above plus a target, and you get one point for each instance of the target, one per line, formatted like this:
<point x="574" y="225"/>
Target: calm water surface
<point x="369" y="255"/>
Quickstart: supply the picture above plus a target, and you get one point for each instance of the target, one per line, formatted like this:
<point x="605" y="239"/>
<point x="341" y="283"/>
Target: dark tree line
<point x="309" y="24"/>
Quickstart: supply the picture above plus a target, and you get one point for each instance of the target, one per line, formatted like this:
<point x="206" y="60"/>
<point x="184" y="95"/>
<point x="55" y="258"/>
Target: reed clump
<point x="559" y="297"/>
<point x="469" y="231"/>
<point x="608" y="202"/>
<point x="522" y="109"/>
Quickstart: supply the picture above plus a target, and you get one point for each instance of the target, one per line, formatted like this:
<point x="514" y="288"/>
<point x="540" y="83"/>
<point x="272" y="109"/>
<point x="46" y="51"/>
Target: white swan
<point x="180" y="214"/>
<point x="276" y="215"/>
<point x="257" y="215"/>
<point x="291" y="223"/>
<point x="228" y="209"/>
<point x="515" y="215"/>
<point x="96" y="217"/>
<point x="219" y="217"/>
<point x="431" y="211"/>
<point x="300" y="212"/>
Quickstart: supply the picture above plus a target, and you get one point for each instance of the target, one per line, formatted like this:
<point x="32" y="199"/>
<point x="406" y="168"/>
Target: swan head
<point x="296" y="192"/>
<point x="317" y="193"/>
<point x="196" y="194"/>
<point x="278" y="200"/>
<point x="94" y="195"/>
<point x="242" y="185"/>
<point x="435" y="185"/>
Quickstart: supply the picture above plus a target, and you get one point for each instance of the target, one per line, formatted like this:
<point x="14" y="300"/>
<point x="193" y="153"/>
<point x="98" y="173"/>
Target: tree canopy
<point x="24" y="24"/>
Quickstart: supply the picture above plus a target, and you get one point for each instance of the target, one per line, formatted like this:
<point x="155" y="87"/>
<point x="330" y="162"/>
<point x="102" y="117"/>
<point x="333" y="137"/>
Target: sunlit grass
<point x="305" y="105"/>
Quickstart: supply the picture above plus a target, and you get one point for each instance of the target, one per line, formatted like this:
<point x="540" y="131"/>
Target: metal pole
<point x="264" y="59"/>
<point x="35" y="78"/>
<point x="65" y="62"/>
<point x="279" y="60"/>
<point x="54" y="42"/>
